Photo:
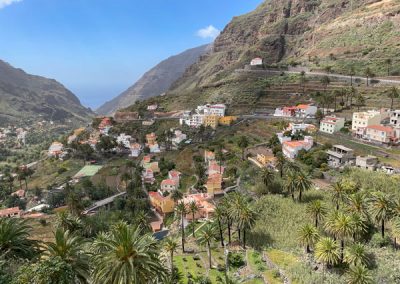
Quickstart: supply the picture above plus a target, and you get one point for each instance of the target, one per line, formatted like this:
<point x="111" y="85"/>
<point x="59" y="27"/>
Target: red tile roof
<point x="380" y="128"/>
<point x="8" y="211"/>
<point x="168" y="182"/>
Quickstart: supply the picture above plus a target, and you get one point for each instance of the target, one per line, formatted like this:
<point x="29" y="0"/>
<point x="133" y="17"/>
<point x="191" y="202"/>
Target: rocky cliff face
<point x="156" y="81"/>
<point x="24" y="96"/>
<point x="312" y="33"/>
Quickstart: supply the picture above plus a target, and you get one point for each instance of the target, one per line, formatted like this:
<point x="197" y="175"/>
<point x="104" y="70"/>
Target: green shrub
<point x="379" y="242"/>
<point x="236" y="259"/>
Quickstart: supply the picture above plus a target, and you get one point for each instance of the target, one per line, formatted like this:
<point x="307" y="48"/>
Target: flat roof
<point x="343" y="148"/>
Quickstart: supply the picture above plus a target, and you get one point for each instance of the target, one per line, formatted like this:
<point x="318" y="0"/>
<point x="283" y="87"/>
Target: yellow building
<point x="227" y="120"/>
<point x="162" y="204"/>
<point x="266" y="159"/>
<point x="214" y="184"/>
<point x="211" y="120"/>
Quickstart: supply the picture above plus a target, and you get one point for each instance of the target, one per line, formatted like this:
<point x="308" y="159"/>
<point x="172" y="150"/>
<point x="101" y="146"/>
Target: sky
<point x="98" y="48"/>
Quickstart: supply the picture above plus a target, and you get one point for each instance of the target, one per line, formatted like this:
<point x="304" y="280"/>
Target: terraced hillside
<point x="342" y="37"/>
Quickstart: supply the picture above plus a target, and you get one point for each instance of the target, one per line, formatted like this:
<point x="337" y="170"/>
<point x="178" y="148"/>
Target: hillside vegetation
<point x="318" y="35"/>
<point x="27" y="97"/>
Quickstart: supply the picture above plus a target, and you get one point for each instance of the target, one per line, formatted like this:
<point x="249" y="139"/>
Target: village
<point x="184" y="172"/>
<point x="300" y="125"/>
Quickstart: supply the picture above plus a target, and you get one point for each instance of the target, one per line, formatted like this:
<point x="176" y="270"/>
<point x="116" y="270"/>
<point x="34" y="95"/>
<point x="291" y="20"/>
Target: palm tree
<point x="303" y="81"/>
<point x="170" y="246"/>
<point x="352" y="72"/>
<point x="359" y="275"/>
<point x="125" y="255"/>
<point x="388" y="62"/>
<point x="393" y="93"/>
<point x="356" y="254"/>
<point x="246" y="219"/>
<point x="380" y="208"/>
<point x="182" y="211"/>
<point x="243" y="143"/>
<point x="267" y="176"/>
<point x="225" y="204"/>
<point x="341" y="226"/>
<point x="308" y="235"/>
<point x="15" y="240"/>
<point x="395" y="222"/>
<point x="176" y="195"/>
<point x="303" y="183"/>
<point x="68" y="222"/>
<point x="69" y="248"/>
<point x="280" y="162"/>
<point x="219" y="215"/>
<point x="193" y="208"/>
<point x="207" y="235"/>
<point x="356" y="203"/>
<point x="125" y="178"/>
<point x="327" y="251"/>
<point x="317" y="210"/>
<point x="338" y="193"/>
<point x="360" y="100"/>
<point x="352" y="94"/>
<point x="368" y="74"/>
<point x="234" y="204"/>
<point x="219" y="155"/>
<point x="325" y="81"/>
<point x="290" y="183"/>
<point x="359" y="225"/>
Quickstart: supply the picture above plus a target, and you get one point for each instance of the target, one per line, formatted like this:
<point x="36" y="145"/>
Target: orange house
<point x="162" y="204"/>
<point x="214" y="184"/>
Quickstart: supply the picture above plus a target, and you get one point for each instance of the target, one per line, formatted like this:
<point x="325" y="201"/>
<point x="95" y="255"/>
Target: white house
<point x="256" y="61"/>
<point x="306" y="110"/>
<point x="298" y="127"/>
<point x="291" y="148"/>
<point x="218" y="109"/>
<point x="331" y="124"/>
<point x="282" y="138"/>
<point x="395" y="118"/>
<point x="124" y="140"/>
<point x="367" y="118"/>
<point x="168" y="185"/>
<point x="136" y="148"/>
<point x="55" y="149"/>
<point x="178" y="138"/>
<point x="154" y="148"/>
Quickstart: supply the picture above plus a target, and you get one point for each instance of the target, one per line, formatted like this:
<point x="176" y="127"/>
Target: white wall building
<point x="367" y="118"/>
<point x="124" y="140"/>
<point x="331" y="124"/>
<point x="291" y="148"/>
<point x="256" y="61"/>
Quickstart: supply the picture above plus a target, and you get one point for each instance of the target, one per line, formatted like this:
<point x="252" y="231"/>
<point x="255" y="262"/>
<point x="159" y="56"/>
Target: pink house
<point x="175" y="175"/>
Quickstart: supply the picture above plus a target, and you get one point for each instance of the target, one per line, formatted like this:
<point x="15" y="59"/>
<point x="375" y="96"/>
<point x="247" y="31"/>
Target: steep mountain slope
<point x="311" y="33"/>
<point x="24" y="96"/>
<point x="156" y="81"/>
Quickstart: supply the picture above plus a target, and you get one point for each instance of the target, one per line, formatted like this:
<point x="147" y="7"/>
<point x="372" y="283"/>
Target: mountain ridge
<point x="316" y="34"/>
<point x="156" y="81"/>
<point x="25" y="96"/>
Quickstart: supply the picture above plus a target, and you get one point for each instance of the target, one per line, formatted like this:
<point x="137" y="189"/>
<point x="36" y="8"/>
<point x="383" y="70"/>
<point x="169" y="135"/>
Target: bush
<point x="43" y="222"/>
<point x="276" y="274"/>
<point x="236" y="259"/>
<point x="61" y="170"/>
<point x="378" y="242"/>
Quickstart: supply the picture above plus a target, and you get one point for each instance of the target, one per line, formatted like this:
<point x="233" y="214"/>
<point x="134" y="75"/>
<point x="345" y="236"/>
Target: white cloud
<point x="4" y="3"/>
<point x="208" y="32"/>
